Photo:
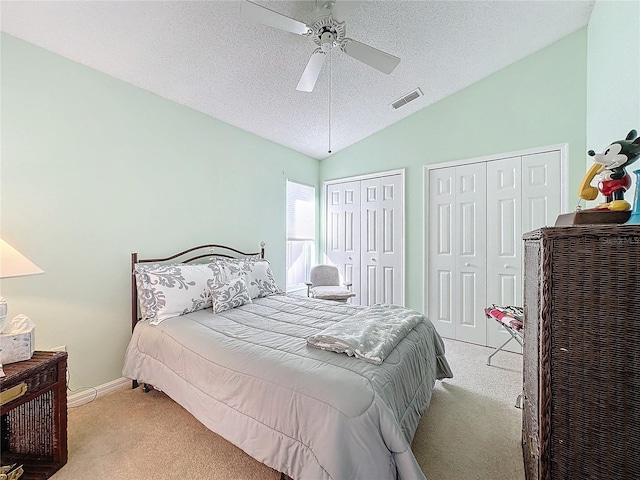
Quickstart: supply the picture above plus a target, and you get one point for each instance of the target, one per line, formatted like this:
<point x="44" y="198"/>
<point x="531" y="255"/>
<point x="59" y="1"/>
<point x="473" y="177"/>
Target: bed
<point x="248" y="374"/>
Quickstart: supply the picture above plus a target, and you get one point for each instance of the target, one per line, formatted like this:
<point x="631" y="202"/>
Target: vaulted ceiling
<point x="208" y="56"/>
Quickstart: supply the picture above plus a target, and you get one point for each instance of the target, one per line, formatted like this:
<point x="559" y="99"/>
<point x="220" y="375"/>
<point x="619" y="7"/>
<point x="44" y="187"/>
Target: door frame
<point x="564" y="194"/>
<point x="367" y="176"/>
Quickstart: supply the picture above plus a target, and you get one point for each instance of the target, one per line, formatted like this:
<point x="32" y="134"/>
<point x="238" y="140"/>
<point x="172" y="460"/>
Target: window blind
<point x="301" y="211"/>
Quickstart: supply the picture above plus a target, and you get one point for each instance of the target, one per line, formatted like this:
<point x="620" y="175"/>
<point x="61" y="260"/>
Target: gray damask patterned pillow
<point x="256" y="272"/>
<point x="166" y="291"/>
<point x="260" y="279"/>
<point x="217" y="276"/>
<point x="229" y="295"/>
<point x="229" y="268"/>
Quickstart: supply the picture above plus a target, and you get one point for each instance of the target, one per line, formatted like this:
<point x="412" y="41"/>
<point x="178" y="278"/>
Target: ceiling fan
<point x="328" y="31"/>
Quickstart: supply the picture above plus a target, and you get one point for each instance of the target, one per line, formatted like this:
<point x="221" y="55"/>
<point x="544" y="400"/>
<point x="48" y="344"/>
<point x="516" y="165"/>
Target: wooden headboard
<point x="187" y="256"/>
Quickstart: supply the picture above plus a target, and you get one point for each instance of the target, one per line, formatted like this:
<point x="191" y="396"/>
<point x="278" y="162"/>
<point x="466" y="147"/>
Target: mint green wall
<point x="93" y="168"/>
<point x="613" y="74"/>
<point x="538" y="101"/>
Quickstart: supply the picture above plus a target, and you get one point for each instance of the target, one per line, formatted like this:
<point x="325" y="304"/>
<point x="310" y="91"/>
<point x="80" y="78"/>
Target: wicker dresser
<point x="581" y="417"/>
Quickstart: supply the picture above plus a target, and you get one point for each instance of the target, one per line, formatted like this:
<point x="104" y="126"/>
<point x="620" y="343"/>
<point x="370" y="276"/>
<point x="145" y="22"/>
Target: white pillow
<point x="229" y="295"/>
<point x="166" y="291"/>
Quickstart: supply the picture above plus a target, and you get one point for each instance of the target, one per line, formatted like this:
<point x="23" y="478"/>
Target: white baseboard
<point x="91" y="393"/>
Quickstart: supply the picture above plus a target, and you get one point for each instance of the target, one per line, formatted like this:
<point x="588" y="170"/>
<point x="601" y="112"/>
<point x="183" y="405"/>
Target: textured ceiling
<point x="203" y="54"/>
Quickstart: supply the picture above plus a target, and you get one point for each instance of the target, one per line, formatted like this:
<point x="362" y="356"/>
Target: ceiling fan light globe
<point x="327" y="41"/>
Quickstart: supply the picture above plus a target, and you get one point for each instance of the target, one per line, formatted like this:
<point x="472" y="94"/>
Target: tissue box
<point x="17" y="347"/>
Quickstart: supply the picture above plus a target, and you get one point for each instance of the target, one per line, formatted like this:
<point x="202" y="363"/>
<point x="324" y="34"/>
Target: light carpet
<point x="471" y="431"/>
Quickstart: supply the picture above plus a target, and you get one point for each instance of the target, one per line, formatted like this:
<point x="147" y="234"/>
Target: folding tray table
<point x="512" y="319"/>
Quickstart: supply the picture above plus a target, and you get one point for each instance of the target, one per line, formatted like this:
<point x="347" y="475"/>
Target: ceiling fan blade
<point x="265" y="16"/>
<point x="373" y="57"/>
<point x="311" y="71"/>
<point x="342" y="9"/>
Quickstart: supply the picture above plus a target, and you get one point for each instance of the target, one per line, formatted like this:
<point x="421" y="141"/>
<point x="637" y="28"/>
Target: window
<point x="301" y="234"/>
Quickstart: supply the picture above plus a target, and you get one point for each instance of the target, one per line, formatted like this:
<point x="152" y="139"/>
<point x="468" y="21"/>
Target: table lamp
<point x="13" y="264"/>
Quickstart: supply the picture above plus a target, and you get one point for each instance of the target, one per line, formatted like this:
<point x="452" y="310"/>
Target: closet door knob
<point x="506" y="265"/>
<point x="349" y="258"/>
<point x="467" y="264"/>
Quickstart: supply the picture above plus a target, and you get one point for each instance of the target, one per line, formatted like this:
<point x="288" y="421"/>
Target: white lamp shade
<point x="14" y="264"/>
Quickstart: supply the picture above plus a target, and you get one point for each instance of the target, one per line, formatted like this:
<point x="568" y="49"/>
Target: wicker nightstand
<point x="34" y="424"/>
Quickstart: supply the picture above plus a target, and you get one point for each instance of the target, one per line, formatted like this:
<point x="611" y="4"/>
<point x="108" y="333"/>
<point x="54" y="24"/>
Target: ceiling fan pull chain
<point x="330" y="63"/>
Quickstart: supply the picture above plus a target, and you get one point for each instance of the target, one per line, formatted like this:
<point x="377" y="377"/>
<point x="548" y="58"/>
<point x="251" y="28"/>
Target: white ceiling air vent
<point x="407" y="98"/>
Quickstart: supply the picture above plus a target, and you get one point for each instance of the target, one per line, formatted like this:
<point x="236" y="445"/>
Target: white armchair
<point x="324" y="283"/>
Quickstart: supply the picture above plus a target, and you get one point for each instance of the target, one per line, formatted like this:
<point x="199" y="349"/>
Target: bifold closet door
<point x="504" y="242"/>
<point x="342" y="240"/>
<point x="364" y="236"/>
<point x="541" y="190"/>
<point x="382" y="217"/>
<point x="524" y="194"/>
<point x="478" y="213"/>
<point x="457" y="252"/>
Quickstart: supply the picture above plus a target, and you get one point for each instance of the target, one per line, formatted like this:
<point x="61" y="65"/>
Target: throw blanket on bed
<point x="370" y="334"/>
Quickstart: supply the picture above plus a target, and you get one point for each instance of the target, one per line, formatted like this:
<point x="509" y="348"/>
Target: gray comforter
<point x="249" y="375"/>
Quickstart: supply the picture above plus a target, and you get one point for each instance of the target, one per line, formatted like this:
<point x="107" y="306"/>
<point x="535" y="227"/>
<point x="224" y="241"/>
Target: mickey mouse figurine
<point x="613" y="178"/>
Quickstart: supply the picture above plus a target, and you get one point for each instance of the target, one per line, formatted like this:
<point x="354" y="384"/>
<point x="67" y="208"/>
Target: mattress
<point x="249" y="375"/>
